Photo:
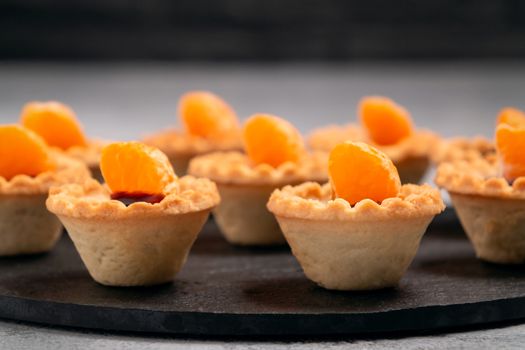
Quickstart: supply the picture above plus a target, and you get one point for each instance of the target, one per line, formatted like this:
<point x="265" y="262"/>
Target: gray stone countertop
<point x="22" y="336"/>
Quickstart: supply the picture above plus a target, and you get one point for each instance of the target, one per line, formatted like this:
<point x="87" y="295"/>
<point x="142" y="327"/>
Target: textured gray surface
<point x="22" y="336"/>
<point x="124" y="101"/>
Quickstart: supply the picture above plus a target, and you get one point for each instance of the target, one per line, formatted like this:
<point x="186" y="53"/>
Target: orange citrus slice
<point x="271" y="140"/>
<point x="358" y="171"/>
<point x="55" y="122"/>
<point x="510" y="143"/>
<point x="511" y="116"/>
<point x="133" y="169"/>
<point x="22" y="152"/>
<point x="206" y="115"/>
<point x="386" y="122"/>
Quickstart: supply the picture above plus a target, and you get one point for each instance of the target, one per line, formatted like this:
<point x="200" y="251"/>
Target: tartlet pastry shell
<point x="89" y="155"/>
<point x="368" y="246"/>
<point x="461" y="148"/>
<point x="411" y="170"/>
<point x="26" y="226"/>
<point x="135" y="251"/>
<point x="257" y="225"/>
<point x="495" y="226"/>
<point x="242" y="215"/>
<point x="138" y="245"/>
<point x="181" y="147"/>
<point x="491" y="210"/>
<point x="411" y="156"/>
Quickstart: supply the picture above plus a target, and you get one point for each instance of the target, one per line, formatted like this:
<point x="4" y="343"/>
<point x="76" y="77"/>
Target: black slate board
<point x="225" y="290"/>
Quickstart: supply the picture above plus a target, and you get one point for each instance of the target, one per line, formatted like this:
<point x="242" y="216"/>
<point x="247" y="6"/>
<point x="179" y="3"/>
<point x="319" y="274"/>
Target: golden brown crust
<point x="478" y="176"/>
<point x="325" y="138"/>
<point x="236" y="168"/>
<point x="90" y="154"/>
<point x="314" y="202"/>
<point x="420" y="144"/>
<point x="92" y="200"/>
<point x="68" y="170"/>
<point x="175" y="143"/>
<point x="462" y="148"/>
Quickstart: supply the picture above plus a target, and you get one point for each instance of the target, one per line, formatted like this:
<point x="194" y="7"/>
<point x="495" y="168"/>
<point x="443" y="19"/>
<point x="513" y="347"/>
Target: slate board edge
<point x="204" y="324"/>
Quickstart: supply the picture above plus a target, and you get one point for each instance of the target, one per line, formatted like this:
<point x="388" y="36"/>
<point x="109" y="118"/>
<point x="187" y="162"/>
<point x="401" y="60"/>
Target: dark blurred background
<point x="261" y="30"/>
<point x="122" y="64"/>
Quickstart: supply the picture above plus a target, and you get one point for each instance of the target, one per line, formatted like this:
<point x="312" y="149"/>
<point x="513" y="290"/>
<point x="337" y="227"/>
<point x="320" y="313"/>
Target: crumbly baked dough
<point x="479" y="176"/>
<point x="134" y="251"/>
<point x="93" y="200"/>
<point x="462" y="148"/>
<point x="175" y="142"/>
<point x="326" y="138"/>
<point x="138" y="245"/>
<point x="368" y="246"/>
<point x="243" y="217"/>
<point x="181" y="147"/>
<point x="311" y="201"/>
<point x="68" y="170"/>
<point x="26" y="226"/>
<point x="494" y="225"/>
<point x="236" y="168"/>
<point x="411" y="170"/>
<point x="89" y="155"/>
<point x="419" y="144"/>
<point x="245" y="189"/>
<point x="491" y="210"/>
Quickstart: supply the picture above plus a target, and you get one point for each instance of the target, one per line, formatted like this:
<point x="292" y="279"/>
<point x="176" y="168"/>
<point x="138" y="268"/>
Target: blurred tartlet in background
<point x="58" y="125"/>
<point x="488" y="192"/>
<point x="28" y="169"/>
<point x="462" y="148"/>
<point x="387" y="126"/>
<point x="275" y="157"/>
<point x="209" y="124"/>
<point x="472" y="148"/>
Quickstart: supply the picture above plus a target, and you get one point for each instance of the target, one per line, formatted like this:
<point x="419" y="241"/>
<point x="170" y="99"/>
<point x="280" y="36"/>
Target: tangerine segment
<point x="55" y="122"/>
<point x="358" y="171"/>
<point x="510" y="143"/>
<point x="22" y="152"/>
<point x="132" y="168"/>
<point x="511" y="116"/>
<point x="271" y="140"/>
<point x="386" y="122"/>
<point x="206" y="115"/>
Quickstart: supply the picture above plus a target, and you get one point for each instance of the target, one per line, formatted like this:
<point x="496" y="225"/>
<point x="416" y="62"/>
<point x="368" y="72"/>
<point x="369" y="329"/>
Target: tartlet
<point x="488" y="192"/>
<point x="181" y="147"/>
<point x="491" y="210"/>
<point x="57" y="124"/>
<point x="145" y="242"/>
<point x="462" y="148"/>
<point x="275" y="157"/>
<point x="89" y="155"/>
<point x="209" y="125"/>
<point x="410" y="151"/>
<point x="242" y="215"/>
<point x="364" y="245"/>
<point x="26" y="226"/>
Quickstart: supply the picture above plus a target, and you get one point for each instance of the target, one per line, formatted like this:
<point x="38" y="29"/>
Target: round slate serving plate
<point x="225" y="290"/>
